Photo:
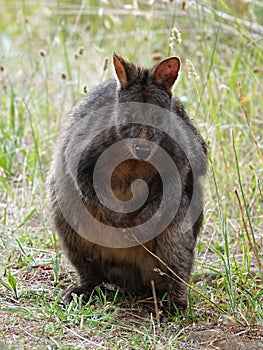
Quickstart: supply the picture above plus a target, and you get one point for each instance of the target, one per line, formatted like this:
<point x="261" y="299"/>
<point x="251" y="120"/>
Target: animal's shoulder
<point x="100" y="96"/>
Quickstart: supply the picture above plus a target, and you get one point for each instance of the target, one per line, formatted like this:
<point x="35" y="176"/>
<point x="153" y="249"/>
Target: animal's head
<point x="140" y="90"/>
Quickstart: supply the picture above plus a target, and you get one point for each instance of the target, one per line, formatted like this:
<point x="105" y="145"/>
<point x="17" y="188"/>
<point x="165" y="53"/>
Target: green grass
<point x="51" y="52"/>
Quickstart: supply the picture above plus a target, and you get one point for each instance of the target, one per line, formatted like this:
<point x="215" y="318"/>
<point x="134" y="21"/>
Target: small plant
<point x="11" y="284"/>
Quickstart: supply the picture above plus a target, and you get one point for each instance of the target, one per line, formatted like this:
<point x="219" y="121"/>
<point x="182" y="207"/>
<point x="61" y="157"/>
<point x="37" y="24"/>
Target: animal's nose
<point x="142" y="151"/>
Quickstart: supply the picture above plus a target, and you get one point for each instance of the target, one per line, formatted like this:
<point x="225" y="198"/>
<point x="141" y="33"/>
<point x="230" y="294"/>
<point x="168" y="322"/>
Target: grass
<point x="51" y="53"/>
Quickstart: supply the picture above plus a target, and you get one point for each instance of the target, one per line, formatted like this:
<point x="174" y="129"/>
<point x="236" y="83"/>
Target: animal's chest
<point x="132" y="178"/>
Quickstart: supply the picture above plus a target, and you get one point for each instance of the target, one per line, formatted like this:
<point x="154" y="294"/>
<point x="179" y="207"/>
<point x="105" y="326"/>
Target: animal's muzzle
<point x="142" y="151"/>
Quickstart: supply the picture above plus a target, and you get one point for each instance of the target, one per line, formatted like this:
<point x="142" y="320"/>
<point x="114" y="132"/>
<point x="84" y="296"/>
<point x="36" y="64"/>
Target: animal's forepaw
<point x="79" y="291"/>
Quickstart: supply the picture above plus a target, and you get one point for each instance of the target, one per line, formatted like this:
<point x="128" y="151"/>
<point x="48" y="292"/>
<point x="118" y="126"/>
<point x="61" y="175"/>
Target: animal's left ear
<point x="166" y="72"/>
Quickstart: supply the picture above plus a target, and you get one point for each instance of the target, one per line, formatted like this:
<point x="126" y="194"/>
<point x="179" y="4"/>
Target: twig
<point x="252" y="247"/>
<point x="98" y="346"/>
<point x="156" y="305"/>
<point x="180" y="278"/>
<point x="248" y="123"/>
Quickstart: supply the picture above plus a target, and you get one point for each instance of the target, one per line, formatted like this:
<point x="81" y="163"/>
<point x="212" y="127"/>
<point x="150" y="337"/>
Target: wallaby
<point x="112" y="112"/>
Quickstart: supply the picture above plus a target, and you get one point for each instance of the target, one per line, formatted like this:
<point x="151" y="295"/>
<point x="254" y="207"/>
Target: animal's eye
<point x="127" y="117"/>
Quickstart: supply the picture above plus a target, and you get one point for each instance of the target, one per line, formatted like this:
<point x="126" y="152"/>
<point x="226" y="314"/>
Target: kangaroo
<point x="138" y="121"/>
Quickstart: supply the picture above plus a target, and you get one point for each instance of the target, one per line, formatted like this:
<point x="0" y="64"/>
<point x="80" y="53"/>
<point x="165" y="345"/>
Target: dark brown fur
<point x="131" y="268"/>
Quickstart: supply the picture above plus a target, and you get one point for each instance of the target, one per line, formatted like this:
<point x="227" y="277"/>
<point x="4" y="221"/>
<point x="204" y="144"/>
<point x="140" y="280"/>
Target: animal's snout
<point x="143" y="151"/>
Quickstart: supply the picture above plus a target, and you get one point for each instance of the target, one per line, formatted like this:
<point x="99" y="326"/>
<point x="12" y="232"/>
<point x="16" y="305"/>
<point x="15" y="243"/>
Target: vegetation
<point x="51" y="54"/>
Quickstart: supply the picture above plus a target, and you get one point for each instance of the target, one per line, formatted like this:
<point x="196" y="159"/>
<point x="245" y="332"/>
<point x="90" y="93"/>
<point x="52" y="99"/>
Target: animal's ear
<point x="120" y="69"/>
<point x="166" y="72"/>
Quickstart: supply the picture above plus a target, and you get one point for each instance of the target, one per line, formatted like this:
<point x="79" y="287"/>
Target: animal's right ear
<point x="166" y="72"/>
<point x="120" y="69"/>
